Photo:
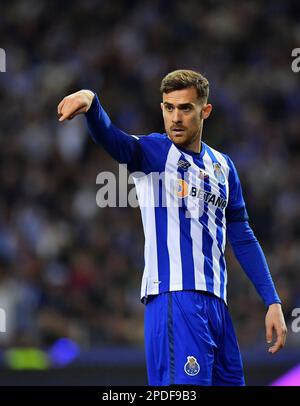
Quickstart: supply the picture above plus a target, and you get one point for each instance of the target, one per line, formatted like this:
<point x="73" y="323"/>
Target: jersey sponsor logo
<point x="219" y="173"/>
<point x="182" y="191"/>
<point x="182" y="188"/>
<point x="192" y="367"/>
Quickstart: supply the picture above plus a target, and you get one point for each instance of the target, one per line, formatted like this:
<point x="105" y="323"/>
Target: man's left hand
<point x="275" y="321"/>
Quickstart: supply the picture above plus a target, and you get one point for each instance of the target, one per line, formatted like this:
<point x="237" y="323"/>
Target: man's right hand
<point x="75" y="103"/>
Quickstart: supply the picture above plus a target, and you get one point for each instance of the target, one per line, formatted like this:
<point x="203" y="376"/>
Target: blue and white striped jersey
<point x="186" y="200"/>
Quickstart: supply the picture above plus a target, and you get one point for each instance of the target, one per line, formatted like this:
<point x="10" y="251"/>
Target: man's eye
<point x="186" y="109"/>
<point x="169" y="108"/>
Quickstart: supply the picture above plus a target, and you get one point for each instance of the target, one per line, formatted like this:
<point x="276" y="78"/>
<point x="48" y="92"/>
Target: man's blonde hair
<point x="184" y="78"/>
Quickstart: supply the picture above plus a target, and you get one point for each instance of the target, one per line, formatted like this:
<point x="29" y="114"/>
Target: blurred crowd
<point x="71" y="269"/>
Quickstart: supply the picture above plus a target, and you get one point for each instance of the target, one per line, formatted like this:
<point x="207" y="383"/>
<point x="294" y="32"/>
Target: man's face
<point x="183" y="115"/>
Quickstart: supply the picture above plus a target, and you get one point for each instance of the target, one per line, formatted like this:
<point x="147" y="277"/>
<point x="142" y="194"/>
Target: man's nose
<point x="176" y="116"/>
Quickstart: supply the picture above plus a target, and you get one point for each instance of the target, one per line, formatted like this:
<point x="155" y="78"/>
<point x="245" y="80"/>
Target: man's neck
<point x="195" y="144"/>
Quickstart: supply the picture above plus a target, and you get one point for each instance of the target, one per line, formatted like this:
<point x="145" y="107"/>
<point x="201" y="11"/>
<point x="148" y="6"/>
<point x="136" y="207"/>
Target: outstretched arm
<point x="123" y="147"/>
<point x="252" y="259"/>
<point x="74" y="104"/>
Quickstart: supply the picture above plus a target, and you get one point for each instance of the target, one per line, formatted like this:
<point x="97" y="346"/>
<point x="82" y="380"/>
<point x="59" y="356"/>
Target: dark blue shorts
<point x="189" y="339"/>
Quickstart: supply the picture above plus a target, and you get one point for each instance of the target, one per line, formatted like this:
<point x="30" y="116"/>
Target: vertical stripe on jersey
<point x="215" y="227"/>
<point x="186" y="241"/>
<point x="144" y="189"/>
<point x="196" y="231"/>
<point x="161" y="221"/>
<point x="173" y="224"/>
<point x="220" y="218"/>
<point x="207" y="240"/>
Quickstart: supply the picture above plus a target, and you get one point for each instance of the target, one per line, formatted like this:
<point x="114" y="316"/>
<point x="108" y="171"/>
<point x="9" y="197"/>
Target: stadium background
<point x="69" y="271"/>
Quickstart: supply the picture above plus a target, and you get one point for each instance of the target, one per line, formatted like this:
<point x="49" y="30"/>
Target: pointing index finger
<point x="59" y="107"/>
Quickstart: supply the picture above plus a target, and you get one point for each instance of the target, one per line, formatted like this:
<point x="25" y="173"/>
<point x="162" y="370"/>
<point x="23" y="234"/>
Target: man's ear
<point x="162" y="106"/>
<point x="206" y="110"/>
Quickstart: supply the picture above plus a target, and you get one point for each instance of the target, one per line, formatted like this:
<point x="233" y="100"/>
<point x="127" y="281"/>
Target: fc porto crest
<point x="192" y="367"/>
<point x="219" y="173"/>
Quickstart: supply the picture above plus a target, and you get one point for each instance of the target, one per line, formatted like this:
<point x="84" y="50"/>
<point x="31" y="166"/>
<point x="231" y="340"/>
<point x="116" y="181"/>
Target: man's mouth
<point x="177" y="130"/>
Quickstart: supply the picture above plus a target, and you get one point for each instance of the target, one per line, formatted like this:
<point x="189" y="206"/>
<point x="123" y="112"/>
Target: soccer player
<point x="189" y="337"/>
